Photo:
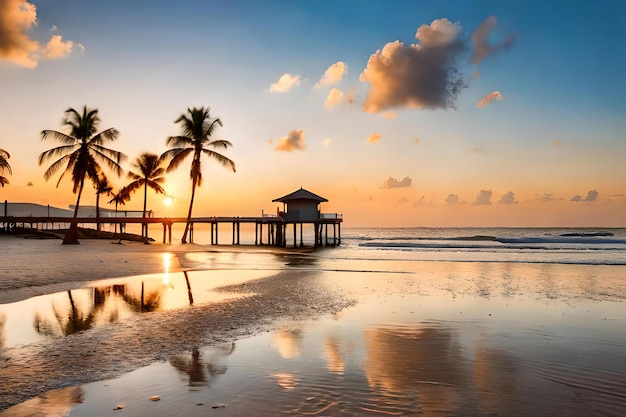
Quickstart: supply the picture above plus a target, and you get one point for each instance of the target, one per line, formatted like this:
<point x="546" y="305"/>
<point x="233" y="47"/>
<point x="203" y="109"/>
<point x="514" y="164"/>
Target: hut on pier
<point x="303" y="207"/>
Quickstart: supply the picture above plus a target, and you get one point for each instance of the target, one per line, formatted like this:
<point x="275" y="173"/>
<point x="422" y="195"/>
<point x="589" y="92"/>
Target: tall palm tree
<point x="149" y="175"/>
<point x="4" y="166"/>
<point x="102" y="186"/>
<point x="80" y="153"/>
<point x="197" y="128"/>
<point x="119" y="198"/>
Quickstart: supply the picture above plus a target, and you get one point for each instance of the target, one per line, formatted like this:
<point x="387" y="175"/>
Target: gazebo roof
<point x="300" y="194"/>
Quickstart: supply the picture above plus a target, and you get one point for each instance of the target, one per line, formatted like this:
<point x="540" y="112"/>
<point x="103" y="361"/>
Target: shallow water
<point x="425" y="338"/>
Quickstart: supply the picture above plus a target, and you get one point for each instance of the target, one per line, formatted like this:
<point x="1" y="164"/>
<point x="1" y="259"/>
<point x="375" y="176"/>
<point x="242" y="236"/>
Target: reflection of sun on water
<point x="167" y="263"/>
<point x="286" y="381"/>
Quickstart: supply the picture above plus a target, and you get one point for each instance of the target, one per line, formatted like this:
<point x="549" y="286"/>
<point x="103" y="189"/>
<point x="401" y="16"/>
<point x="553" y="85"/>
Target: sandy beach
<point x="335" y="332"/>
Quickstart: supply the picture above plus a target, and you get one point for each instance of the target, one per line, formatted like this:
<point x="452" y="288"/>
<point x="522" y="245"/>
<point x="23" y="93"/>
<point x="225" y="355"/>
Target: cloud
<point x="416" y="140"/>
<point x="489" y="98"/>
<point x="326" y="142"/>
<point x="508" y="198"/>
<point x="546" y="197"/>
<point x="482" y="47"/>
<point x="402" y="201"/>
<point x="285" y="83"/>
<point x="422" y="75"/>
<point x="452" y="199"/>
<point x="350" y="99"/>
<point x="332" y="75"/>
<point x="483" y="198"/>
<point x="373" y="138"/>
<point x="81" y="48"/>
<point x="557" y="143"/>
<point x="334" y="98"/>
<point x="17" y="17"/>
<point x="591" y="196"/>
<point x="56" y="48"/>
<point x="30" y="184"/>
<point x="479" y="149"/>
<point x="419" y="202"/>
<point x="389" y="115"/>
<point x="394" y="183"/>
<point x="293" y="141"/>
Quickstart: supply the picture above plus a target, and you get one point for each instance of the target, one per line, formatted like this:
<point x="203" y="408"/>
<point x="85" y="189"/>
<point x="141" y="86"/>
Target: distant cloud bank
<point x="395" y="183"/>
<point x="591" y="196"/>
<point x="17" y="19"/>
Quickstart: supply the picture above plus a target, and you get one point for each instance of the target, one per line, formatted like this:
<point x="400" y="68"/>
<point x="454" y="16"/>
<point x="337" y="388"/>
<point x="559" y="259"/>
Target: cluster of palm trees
<point x="82" y="154"/>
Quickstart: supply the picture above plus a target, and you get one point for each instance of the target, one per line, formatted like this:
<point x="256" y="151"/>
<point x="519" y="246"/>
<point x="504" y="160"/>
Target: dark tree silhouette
<point x="148" y="175"/>
<point x="79" y="154"/>
<point x="4" y="166"/>
<point x="196" y="139"/>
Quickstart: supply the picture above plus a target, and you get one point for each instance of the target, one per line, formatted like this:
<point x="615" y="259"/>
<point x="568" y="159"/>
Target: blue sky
<point x="557" y="133"/>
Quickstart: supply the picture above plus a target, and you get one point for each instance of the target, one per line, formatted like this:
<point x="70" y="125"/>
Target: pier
<point x="271" y="227"/>
<point x="300" y="207"/>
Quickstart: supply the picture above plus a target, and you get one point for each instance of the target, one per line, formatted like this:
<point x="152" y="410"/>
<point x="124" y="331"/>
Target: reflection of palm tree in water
<point x="201" y="370"/>
<point x="75" y="321"/>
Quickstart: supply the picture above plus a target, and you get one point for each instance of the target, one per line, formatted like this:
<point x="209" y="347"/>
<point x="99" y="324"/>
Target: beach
<point x="379" y="325"/>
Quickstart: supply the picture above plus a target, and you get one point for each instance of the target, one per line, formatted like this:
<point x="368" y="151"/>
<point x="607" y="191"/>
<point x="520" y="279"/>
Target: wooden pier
<point x="276" y="227"/>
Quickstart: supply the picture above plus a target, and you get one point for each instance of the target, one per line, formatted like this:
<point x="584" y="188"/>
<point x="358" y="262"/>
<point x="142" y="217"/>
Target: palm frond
<point x="56" y="152"/>
<point x="223" y="160"/>
<point x="177" y="157"/>
<point x="60" y="136"/>
<point x="220" y="143"/>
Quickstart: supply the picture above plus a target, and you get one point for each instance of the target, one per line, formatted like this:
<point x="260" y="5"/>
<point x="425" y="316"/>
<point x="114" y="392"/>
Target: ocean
<point x="441" y="322"/>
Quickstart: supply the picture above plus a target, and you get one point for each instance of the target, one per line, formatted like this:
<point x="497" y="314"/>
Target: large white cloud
<point x="422" y="75"/>
<point x="56" y="48"/>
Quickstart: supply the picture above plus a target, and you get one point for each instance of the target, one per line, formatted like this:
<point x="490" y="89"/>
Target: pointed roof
<point x="300" y="194"/>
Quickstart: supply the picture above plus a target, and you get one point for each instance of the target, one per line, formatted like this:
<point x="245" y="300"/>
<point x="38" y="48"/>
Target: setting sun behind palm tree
<point x="196" y="139"/>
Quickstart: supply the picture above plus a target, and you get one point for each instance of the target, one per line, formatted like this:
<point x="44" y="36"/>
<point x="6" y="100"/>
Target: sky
<point x="402" y="113"/>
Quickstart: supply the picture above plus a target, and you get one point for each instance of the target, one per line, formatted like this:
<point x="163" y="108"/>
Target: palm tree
<point x="119" y="198"/>
<point x="102" y="186"/>
<point x="79" y="154"/>
<point x="4" y="166"/>
<point x="197" y="129"/>
<point x="149" y="175"/>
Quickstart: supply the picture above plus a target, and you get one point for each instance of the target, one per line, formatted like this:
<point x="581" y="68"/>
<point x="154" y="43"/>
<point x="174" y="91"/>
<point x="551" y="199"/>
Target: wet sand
<point x="318" y="335"/>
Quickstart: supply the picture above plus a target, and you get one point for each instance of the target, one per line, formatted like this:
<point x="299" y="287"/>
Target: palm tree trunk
<point x="144" y="227"/>
<point x="193" y="192"/>
<point x="71" y="237"/>
<point x="98" y="212"/>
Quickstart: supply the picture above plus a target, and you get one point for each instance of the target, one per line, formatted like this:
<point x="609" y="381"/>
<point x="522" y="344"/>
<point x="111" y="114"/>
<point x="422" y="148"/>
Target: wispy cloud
<point x="483" y="198"/>
<point x="333" y="74"/>
<point x="422" y="75"/>
<point x="508" y="198"/>
<point x="546" y="197"/>
<point x="17" y="19"/>
<point x="373" y="138"/>
<point x="285" y="83"/>
<point x="395" y="183"/>
<point x="482" y="47"/>
<point x="293" y="141"/>
<point x="489" y="98"/>
<point x="591" y="196"/>
<point x="389" y="115"/>
<point x="326" y="142"/>
<point x="334" y="98"/>
<point x="557" y="143"/>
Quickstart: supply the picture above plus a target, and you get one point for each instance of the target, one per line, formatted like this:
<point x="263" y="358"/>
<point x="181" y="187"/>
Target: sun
<point x="168" y="201"/>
